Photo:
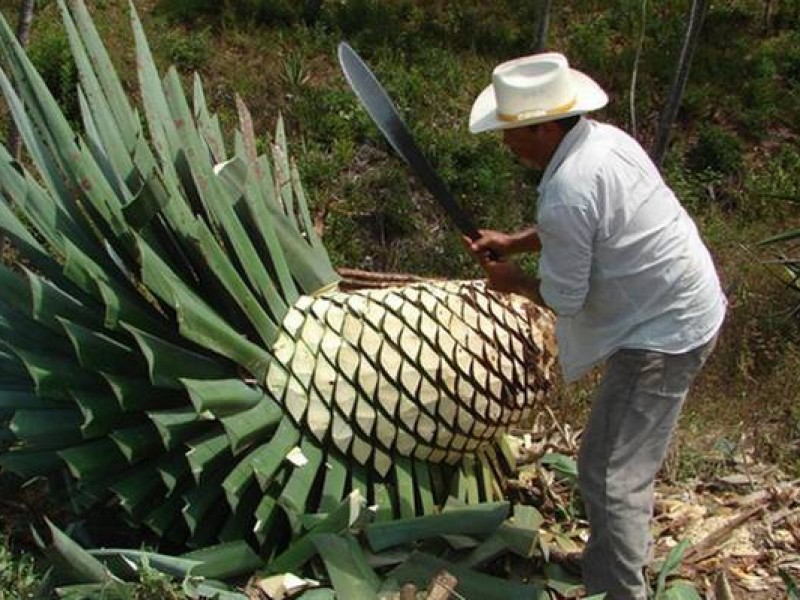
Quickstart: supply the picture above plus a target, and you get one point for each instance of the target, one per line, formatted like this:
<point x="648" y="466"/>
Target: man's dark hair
<point x="565" y="124"/>
<point x="568" y="123"/>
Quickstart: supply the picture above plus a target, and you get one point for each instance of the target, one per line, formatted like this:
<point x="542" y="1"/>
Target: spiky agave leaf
<point x="179" y="343"/>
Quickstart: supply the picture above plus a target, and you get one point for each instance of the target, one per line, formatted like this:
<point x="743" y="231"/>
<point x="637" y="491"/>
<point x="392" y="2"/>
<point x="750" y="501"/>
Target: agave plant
<point x="175" y="337"/>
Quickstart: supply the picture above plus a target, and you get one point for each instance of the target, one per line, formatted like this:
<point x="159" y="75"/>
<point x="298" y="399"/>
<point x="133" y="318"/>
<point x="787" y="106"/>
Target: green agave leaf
<point x="271" y="456"/>
<point x="17" y="331"/>
<point x="101" y="413"/>
<point x="224" y="561"/>
<point x="48" y="302"/>
<point x="487" y="551"/>
<point x="208" y="453"/>
<point x="311" y="270"/>
<point x="207" y="124"/>
<point x="200" y="587"/>
<point x="140" y="491"/>
<point x="198" y="322"/>
<point x="294" y="497"/>
<point x="41" y="155"/>
<point x="482" y="519"/>
<point x="134" y="395"/>
<point x="168" y="363"/>
<point x="283" y="176"/>
<point x="670" y="566"/>
<point x="222" y="396"/>
<point x="420" y="568"/>
<point x="97" y="350"/>
<point x="178" y="425"/>
<point x="309" y="231"/>
<point x="70" y="559"/>
<point x="681" y="590"/>
<point x="47" y="216"/>
<point x="252" y="425"/>
<point x="204" y="505"/>
<point x="249" y="151"/>
<point x="561" y="464"/>
<point x="97" y="112"/>
<point x="153" y="99"/>
<point x="263" y="324"/>
<point x="424" y="487"/>
<point x="346" y="565"/>
<point x="350" y="511"/>
<point x="403" y="471"/>
<point x="781" y="237"/>
<point x="791" y="585"/>
<point x="13" y="400"/>
<point x="163" y="563"/>
<point x="53" y="376"/>
<point x="25" y="242"/>
<point x="117" y="100"/>
<point x="217" y="203"/>
<point x="335" y="477"/>
<point x="94" y="459"/>
<point x="138" y="442"/>
<point x="28" y="464"/>
<point x="95" y="591"/>
<point x="47" y="428"/>
<point x="562" y="582"/>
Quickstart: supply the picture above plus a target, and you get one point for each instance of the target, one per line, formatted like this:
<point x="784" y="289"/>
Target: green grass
<point x="19" y="579"/>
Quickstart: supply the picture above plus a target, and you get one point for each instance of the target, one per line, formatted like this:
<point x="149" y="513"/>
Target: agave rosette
<point x="175" y="335"/>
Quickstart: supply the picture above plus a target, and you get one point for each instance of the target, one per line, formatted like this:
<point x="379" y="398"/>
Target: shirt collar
<point x="575" y="136"/>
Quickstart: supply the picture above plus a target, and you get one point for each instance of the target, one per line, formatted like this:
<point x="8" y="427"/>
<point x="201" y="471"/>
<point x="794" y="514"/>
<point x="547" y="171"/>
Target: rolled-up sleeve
<point x="567" y="232"/>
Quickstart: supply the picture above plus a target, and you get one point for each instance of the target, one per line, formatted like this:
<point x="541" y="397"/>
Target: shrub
<point x="50" y="52"/>
<point x="716" y="149"/>
<point x="18" y="578"/>
<point x="188" y="50"/>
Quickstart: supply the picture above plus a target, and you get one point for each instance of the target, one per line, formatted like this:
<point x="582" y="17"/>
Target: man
<point x="632" y="284"/>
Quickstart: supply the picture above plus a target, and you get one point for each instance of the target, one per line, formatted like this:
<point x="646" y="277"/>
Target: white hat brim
<point x="589" y="96"/>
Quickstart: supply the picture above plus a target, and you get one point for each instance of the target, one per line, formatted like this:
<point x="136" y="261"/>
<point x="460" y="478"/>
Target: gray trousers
<point x="624" y="444"/>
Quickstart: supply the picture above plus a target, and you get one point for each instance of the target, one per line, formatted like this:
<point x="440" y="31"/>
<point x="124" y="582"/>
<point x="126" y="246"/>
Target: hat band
<point x="532" y="114"/>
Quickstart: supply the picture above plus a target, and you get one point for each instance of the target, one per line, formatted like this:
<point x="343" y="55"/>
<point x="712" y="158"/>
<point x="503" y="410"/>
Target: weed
<point x="154" y="585"/>
<point x="717" y="150"/>
<point x="188" y="50"/>
<point x="295" y="71"/>
<point x="18" y="578"/>
<point x="50" y="53"/>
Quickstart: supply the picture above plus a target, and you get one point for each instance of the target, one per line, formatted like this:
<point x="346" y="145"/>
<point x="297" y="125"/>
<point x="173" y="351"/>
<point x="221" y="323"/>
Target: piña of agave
<point x="175" y="336"/>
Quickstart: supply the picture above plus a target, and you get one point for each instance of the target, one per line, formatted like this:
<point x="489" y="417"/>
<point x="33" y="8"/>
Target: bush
<point x="717" y="150"/>
<point x="254" y="12"/>
<point x="18" y="578"/>
<point x="50" y="53"/>
<point x="188" y="51"/>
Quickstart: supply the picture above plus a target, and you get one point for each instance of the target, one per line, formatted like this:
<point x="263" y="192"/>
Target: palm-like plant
<point x="175" y="335"/>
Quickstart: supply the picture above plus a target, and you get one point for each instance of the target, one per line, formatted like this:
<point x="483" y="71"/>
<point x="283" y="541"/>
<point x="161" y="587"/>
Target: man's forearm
<point x="526" y="240"/>
<point x="529" y="287"/>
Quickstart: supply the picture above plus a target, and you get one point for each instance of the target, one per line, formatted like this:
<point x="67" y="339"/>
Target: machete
<point x="383" y="112"/>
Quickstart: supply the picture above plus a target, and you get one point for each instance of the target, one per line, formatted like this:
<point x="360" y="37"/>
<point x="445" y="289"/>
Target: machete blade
<point x="384" y="113"/>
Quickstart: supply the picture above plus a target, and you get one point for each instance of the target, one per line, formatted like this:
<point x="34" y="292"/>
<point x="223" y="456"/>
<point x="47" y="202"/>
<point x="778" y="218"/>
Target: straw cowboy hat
<point x="534" y="89"/>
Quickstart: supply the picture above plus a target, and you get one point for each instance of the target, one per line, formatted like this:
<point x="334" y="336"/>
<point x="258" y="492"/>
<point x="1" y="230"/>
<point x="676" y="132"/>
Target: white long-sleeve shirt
<point x="622" y="263"/>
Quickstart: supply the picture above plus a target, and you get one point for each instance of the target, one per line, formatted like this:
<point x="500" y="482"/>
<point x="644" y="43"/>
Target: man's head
<point x="534" y="90"/>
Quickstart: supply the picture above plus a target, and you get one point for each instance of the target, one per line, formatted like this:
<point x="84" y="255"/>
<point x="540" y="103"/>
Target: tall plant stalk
<point x="670" y="112"/>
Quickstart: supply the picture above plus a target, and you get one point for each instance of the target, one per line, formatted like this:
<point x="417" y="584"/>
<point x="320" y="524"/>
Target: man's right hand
<point x="505" y="244"/>
<point x="492" y="241"/>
